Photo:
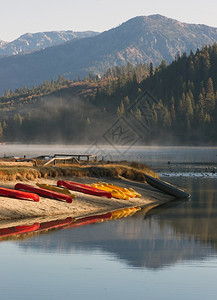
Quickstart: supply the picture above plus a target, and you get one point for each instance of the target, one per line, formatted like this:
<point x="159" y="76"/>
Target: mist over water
<point x="56" y="119"/>
<point x="152" y="155"/>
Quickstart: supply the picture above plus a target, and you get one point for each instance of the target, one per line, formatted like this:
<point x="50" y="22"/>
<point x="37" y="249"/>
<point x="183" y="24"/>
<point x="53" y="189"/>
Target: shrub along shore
<point x="133" y="171"/>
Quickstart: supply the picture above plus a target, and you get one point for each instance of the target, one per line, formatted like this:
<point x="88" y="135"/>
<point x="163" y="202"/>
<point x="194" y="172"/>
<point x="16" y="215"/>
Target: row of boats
<point x="62" y="191"/>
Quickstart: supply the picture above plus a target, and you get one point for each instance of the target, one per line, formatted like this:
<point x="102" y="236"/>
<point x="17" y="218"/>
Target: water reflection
<point x="198" y="218"/>
<point x="139" y="242"/>
<point x="174" y="247"/>
<point x="176" y="232"/>
<point x="153" y="240"/>
<point x="22" y="230"/>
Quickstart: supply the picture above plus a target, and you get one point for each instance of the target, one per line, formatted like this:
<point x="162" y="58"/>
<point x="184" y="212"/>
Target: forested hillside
<point x="141" y="39"/>
<point x="188" y="90"/>
<point x="185" y="110"/>
<point x="66" y="111"/>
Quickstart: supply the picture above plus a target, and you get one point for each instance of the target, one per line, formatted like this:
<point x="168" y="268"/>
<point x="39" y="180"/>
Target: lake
<point x="153" y="155"/>
<point x="168" y="253"/>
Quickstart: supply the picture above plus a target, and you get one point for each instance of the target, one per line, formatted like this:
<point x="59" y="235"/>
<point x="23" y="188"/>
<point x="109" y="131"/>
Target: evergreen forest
<point x="66" y="111"/>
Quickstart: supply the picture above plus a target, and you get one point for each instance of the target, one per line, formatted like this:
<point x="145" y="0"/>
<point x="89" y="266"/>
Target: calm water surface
<point x="168" y="253"/>
<point x="152" y="155"/>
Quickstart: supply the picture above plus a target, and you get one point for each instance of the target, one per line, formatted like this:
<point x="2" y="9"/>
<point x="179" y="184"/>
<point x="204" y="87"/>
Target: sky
<point x="21" y="16"/>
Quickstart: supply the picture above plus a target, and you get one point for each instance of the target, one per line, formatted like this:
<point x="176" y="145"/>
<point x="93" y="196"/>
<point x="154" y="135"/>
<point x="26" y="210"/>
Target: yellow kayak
<point x="134" y="192"/>
<point x="134" y="210"/>
<point x="127" y="212"/>
<point x="131" y="192"/>
<point x="115" y="215"/>
<point x="115" y="193"/>
<point x="128" y="192"/>
<point x="118" y="214"/>
<point x="131" y="211"/>
<point x="123" y="213"/>
<point x="55" y="189"/>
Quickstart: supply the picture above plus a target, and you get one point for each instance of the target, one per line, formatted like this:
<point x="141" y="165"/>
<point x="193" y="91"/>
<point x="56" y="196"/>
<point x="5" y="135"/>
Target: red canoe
<point x="43" y="192"/>
<point x="85" y="186"/>
<point x="4" y="232"/>
<point x="18" y="194"/>
<point x="89" y="187"/>
<point x="82" y="188"/>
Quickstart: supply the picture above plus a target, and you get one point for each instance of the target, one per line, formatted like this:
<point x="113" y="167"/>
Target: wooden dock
<point x="64" y="158"/>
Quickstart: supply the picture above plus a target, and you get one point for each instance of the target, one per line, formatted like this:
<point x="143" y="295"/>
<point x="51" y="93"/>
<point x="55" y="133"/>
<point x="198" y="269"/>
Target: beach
<point x="14" y="211"/>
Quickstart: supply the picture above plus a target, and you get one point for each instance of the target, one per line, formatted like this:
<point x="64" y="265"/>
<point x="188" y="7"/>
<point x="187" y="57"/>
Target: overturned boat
<point x="166" y="187"/>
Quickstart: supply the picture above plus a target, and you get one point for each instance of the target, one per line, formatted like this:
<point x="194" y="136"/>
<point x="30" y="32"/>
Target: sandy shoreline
<point x="13" y="211"/>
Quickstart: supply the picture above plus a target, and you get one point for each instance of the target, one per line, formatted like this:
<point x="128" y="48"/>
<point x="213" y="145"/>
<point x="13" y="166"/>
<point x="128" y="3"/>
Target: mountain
<point x="35" y="41"/>
<point x="142" y="39"/>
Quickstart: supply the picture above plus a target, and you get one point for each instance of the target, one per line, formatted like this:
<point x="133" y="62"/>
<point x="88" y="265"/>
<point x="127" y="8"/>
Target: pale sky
<point x="21" y="16"/>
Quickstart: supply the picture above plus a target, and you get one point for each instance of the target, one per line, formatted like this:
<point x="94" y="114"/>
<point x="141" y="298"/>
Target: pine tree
<point x="182" y="103"/>
<point x="88" y="121"/>
<point x="6" y="93"/>
<point x="121" y="109"/>
<point x="166" y="118"/>
<point x="138" y="114"/>
<point x="127" y="100"/>
<point x="210" y="96"/>
<point x="189" y="109"/>
<point x="163" y="65"/>
<point x="151" y="69"/>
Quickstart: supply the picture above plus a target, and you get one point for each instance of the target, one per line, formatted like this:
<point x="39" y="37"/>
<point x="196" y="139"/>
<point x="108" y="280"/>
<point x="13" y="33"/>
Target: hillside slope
<point x="139" y="40"/>
<point x="36" y="41"/>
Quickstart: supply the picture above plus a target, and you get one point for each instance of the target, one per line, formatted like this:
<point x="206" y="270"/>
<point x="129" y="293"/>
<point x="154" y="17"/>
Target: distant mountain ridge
<point x="142" y="39"/>
<point x="35" y="41"/>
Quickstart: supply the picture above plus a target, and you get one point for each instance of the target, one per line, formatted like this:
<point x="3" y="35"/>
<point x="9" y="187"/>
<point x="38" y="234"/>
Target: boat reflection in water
<point x="67" y="223"/>
<point x="133" y="235"/>
<point x="153" y="238"/>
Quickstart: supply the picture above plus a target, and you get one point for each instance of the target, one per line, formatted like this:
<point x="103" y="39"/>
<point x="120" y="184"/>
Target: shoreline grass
<point x="131" y="171"/>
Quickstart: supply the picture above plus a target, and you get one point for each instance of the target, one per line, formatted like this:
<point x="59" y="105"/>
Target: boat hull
<point x="78" y="187"/>
<point x="166" y="187"/>
<point x="18" y="194"/>
<point x="43" y="192"/>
